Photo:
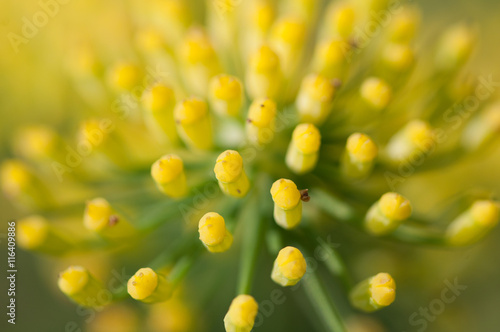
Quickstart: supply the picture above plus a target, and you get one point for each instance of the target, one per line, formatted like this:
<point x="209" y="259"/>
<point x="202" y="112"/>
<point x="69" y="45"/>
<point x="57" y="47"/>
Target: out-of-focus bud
<point x="193" y="123"/>
<point x="373" y="293"/>
<point x="473" y="224"/>
<point x="289" y="267"/>
<point x="159" y="100"/>
<point x="115" y="318"/>
<point x="213" y="233"/>
<point x="287" y="203"/>
<point x="125" y="76"/>
<point x="226" y="95"/>
<point x="168" y="174"/>
<point x="376" y="93"/>
<point x="340" y="20"/>
<point x="241" y="314"/>
<point x="331" y="58"/>
<point x="398" y="57"/>
<point x="314" y="101"/>
<point x="148" y="286"/>
<point x="101" y="218"/>
<point x="231" y="175"/>
<point x="287" y="38"/>
<point x="417" y="137"/>
<point x="257" y="24"/>
<point x="260" y="121"/>
<point x="173" y="315"/>
<point x="359" y="156"/>
<point x="455" y="47"/>
<point x="80" y="286"/>
<point x="303" y="151"/>
<point x="20" y="184"/>
<point x="37" y="234"/>
<point x="387" y="214"/>
<point x="482" y="129"/>
<point x="264" y="76"/>
<point x="200" y="62"/>
<point x="38" y="143"/>
<point x="404" y="25"/>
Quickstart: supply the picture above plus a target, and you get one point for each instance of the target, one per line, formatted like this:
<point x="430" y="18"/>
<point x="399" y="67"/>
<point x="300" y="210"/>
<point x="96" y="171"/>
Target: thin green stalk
<point x="332" y="205"/>
<point x="253" y="233"/>
<point x="321" y="303"/>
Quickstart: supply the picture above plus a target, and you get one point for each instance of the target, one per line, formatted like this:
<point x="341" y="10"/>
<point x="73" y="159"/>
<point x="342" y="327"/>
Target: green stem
<point x="332" y="205"/>
<point x="321" y="303"/>
<point x="182" y="267"/>
<point x="253" y="236"/>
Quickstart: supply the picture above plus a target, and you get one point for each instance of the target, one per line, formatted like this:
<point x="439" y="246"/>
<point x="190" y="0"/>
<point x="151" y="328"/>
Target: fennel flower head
<point x="218" y="139"/>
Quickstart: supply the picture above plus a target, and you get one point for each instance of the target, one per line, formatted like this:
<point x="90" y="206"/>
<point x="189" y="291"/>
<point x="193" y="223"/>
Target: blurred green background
<point x="27" y="95"/>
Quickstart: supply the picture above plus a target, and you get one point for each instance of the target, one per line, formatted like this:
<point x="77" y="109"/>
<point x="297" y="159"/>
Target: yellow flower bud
<point x="376" y="93"/>
<point x="303" y="151"/>
<point x="80" y="286"/>
<point x="118" y="317"/>
<point x="100" y="217"/>
<point x="260" y="121"/>
<point x="387" y="214"/>
<point x="417" y="137"/>
<point x="455" y="47"/>
<point x="314" y="101"/>
<point x="231" y="175"/>
<point x="404" y="25"/>
<point x="289" y="267"/>
<point x="35" y="233"/>
<point x="331" y="58"/>
<point x="200" y="61"/>
<point x="226" y="95"/>
<point x="148" y="286"/>
<point x="340" y="19"/>
<point x="287" y="39"/>
<point x="23" y="186"/>
<point x="168" y="174"/>
<point x="213" y="233"/>
<point x="37" y="143"/>
<point x="287" y="203"/>
<point x="263" y="77"/>
<point x="359" y="156"/>
<point x="398" y="57"/>
<point x="241" y="314"/>
<point x="258" y="20"/>
<point x="374" y="293"/>
<point x="125" y="76"/>
<point x="159" y="100"/>
<point x="193" y="123"/>
<point x="473" y="224"/>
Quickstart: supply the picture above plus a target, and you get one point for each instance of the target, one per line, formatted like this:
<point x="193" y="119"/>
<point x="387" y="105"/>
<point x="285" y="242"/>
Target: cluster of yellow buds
<point x="247" y="102"/>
